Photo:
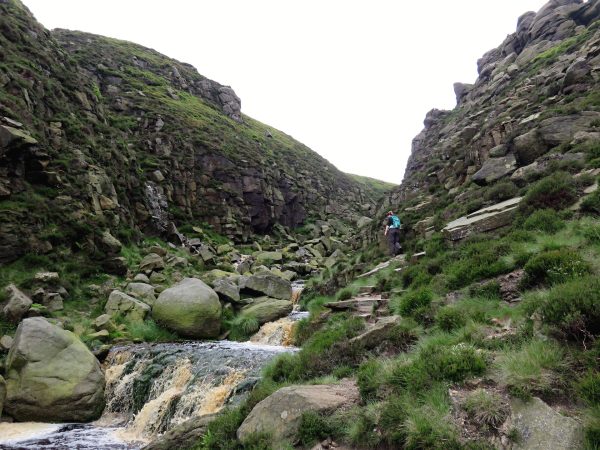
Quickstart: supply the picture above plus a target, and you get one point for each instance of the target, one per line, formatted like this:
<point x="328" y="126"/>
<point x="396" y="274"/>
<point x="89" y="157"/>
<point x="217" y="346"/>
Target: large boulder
<point x="494" y="169"/>
<point x="279" y="414"/>
<point x="268" y="284"/>
<point x="132" y="309"/>
<point x="190" y="308"/>
<point x="51" y="376"/>
<point x="267" y="309"/>
<point x="17" y="306"/>
<point x="543" y="428"/>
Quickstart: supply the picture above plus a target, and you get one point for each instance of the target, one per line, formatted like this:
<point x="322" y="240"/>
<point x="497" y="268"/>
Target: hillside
<point x="101" y="134"/>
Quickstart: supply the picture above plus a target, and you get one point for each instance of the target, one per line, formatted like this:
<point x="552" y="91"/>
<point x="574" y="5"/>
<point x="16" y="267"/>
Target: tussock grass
<point x="537" y="368"/>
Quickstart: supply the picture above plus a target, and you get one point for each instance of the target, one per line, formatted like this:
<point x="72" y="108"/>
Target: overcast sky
<point x="350" y="79"/>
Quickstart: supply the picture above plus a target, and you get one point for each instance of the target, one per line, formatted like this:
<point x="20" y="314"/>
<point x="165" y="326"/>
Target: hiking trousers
<point x="393" y="236"/>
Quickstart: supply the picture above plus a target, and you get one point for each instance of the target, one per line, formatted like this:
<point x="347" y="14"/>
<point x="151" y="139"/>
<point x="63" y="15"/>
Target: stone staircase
<point x="367" y="304"/>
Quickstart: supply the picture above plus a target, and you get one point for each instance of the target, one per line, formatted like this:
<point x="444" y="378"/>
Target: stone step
<point x="355" y="303"/>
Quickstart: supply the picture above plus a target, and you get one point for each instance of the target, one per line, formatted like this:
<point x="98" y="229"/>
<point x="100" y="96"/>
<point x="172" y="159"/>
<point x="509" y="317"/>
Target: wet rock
<point x="6" y="342"/>
<point x="267" y="284"/>
<point x="152" y="262"/>
<point x="185" y="435"/>
<point x="142" y="291"/>
<point x="280" y="414"/>
<point x="51" y="376"/>
<point x="542" y="428"/>
<point x="17" y="305"/>
<point x="267" y="309"/>
<point x="485" y="219"/>
<point x="190" y="308"/>
<point x="122" y="304"/>
<point x="227" y="289"/>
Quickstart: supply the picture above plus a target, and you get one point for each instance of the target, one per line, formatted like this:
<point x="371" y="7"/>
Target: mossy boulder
<point x="51" y="376"/>
<point x="267" y="309"/>
<point x="268" y="284"/>
<point x="190" y="308"/>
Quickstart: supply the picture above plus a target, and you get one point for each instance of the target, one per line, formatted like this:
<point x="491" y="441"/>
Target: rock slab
<point x="280" y="413"/>
<point x="542" y="428"/>
<point x="51" y="376"/>
<point x="190" y="308"/>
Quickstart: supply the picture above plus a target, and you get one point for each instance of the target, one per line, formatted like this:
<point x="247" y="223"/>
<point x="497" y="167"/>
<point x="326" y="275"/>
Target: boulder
<point x="101" y="335"/>
<point x="376" y="333"/>
<point x="268" y="284"/>
<point x="267" y="309"/>
<point x="190" y="308"/>
<point x="158" y="250"/>
<point x="141" y="278"/>
<point x="528" y="147"/>
<point x="268" y="257"/>
<point x="6" y="343"/>
<point x="51" y="278"/>
<point x="142" y="291"/>
<point x="212" y="275"/>
<point x="227" y="289"/>
<point x="51" y="376"/>
<point x="152" y="262"/>
<point x="280" y="414"/>
<point x="109" y="244"/>
<point x="17" y="306"/>
<point x="485" y="219"/>
<point x="185" y="435"/>
<point x="542" y="428"/>
<point x="54" y="302"/>
<point x="104" y="322"/>
<point x="494" y="169"/>
<point x="115" y="266"/>
<point x="132" y="309"/>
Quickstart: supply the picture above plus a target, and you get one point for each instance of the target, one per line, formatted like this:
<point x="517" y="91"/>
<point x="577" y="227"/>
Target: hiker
<point x="392" y="231"/>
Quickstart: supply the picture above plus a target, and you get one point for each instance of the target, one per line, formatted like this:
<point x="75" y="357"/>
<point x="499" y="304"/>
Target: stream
<point x="150" y="388"/>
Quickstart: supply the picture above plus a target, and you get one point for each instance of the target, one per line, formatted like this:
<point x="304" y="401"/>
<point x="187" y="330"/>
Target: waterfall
<point x="155" y="387"/>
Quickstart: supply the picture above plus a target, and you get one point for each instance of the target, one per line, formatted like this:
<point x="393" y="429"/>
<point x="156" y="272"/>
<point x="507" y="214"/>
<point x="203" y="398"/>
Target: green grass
<point x="149" y="331"/>
<point x="538" y="368"/>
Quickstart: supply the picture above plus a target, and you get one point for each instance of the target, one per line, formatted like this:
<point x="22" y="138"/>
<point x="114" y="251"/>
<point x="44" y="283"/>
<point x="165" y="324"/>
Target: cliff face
<point x="534" y="107"/>
<point x="103" y="134"/>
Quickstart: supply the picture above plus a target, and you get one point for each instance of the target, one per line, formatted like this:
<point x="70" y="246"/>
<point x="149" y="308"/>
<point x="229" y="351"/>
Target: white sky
<point x="350" y="79"/>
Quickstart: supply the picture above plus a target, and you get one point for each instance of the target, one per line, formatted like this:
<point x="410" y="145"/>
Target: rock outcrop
<point x="190" y="308"/>
<point x="51" y="376"/>
<point x="532" y="110"/>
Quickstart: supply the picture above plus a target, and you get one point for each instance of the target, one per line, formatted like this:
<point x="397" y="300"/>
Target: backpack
<point x="395" y="222"/>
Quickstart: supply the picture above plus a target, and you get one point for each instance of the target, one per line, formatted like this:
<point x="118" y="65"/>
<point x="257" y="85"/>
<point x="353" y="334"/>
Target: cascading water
<point x="150" y="388"/>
